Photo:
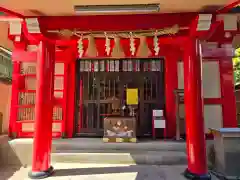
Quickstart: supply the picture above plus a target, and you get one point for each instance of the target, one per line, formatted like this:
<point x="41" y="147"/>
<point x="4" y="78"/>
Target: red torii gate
<point x="47" y="55"/>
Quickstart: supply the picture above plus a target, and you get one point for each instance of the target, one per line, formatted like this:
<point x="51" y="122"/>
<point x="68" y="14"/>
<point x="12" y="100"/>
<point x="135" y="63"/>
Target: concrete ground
<point x="89" y="150"/>
<point x="83" y="159"/>
<point x="65" y="171"/>
<point x="75" y="171"/>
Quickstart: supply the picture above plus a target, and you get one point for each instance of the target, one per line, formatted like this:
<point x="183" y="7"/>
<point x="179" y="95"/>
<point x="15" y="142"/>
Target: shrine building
<point x="73" y="63"/>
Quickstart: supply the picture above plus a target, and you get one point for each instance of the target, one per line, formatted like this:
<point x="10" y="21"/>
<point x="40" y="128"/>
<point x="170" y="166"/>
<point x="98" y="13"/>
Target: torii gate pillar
<point x="196" y="145"/>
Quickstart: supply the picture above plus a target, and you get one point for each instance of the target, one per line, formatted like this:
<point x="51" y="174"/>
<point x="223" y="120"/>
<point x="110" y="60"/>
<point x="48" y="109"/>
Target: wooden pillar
<point x="196" y="145"/>
<point x="43" y="111"/>
<point x="228" y="95"/>
<point x="12" y="130"/>
<point x="71" y="94"/>
<point x="171" y="83"/>
<point x="16" y="74"/>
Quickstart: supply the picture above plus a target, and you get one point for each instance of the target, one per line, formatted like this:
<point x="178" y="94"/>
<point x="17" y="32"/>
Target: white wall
<point x="211" y="89"/>
<point x="213" y="116"/>
<point x="211" y="79"/>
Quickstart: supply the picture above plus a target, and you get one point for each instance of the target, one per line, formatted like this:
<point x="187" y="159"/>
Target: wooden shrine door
<point x="100" y="80"/>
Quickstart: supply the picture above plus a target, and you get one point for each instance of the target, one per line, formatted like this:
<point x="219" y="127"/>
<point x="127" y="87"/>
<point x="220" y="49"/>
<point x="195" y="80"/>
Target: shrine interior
<point x="101" y="87"/>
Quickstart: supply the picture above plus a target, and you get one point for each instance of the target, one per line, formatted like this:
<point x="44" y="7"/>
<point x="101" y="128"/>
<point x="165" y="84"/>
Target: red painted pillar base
<point x="196" y="145"/>
<point x="43" y="112"/>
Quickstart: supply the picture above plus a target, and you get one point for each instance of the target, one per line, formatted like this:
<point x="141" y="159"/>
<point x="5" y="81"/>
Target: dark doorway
<point x="99" y="80"/>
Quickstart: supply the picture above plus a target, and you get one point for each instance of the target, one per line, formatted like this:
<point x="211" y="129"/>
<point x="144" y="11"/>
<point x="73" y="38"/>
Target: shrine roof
<point x="65" y="8"/>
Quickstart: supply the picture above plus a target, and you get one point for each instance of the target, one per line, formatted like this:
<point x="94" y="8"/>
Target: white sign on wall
<point x="33" y="25"/>
<point x="159" y="124"/>
<point x="204" y="22"/>
<point x="230" y="22"/>
<point x="15" y="28"/>
<point x="157" y="113"/>
<point x="158" y="118"/>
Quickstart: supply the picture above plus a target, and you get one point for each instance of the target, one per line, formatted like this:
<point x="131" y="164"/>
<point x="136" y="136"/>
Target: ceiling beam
<point x="11" y="13"/>
<point x="116" y="22"/>
<point x="228" y="7"/>
<point x="8" y="18"/>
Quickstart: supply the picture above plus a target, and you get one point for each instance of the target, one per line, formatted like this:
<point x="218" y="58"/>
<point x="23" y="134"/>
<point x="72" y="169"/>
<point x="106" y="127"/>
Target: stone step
<point x="87" y="150"/>
<point x="117" y="157"/>
<point x="97" y="144"/>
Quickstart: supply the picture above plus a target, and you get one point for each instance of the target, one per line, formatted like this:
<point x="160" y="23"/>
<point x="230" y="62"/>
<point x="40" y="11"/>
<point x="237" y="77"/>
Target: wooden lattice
<point x="28" y="68"/>
<point x="26" y="98"/>
<point x="57" y="113"/>
<point x="26" y="113"/>
<point x="30" y="83"/>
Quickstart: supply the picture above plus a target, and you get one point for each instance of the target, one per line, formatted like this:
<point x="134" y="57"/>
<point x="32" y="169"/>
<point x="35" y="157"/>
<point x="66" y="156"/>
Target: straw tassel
<point x="107" y="44"/>
<point x="143" y="50"/>
<point x="132" y="44"/>
<point x="91" y="50"/>
<point x="80" y="47"/>
<point x="156" y="44"/>
<point x="117" y="51"/>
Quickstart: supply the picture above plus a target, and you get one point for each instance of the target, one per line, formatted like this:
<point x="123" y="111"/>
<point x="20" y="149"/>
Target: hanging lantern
<point x="143" y="50"/>
<point x="117" y="49"/>
<point x="91" y="50"/>
<point x="156" y="44"/>
<point x="132" y="44"/>
<point x="107" y="44"/>
<point x="80" y="47"/>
